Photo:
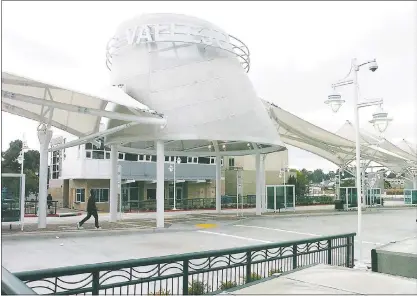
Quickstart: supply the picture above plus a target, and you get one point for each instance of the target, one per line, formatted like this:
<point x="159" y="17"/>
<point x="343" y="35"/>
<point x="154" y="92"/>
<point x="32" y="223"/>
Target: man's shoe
<point x="98" y="228"/>
<point x="78" y="226"/>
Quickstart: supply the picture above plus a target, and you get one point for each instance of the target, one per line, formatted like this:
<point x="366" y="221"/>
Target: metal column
<point x="160" y="178"/>
<point x="44" y="136"/>
<point x="113" y="183"/>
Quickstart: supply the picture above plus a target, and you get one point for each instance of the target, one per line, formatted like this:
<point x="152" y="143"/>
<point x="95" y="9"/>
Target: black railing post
<point x="96" y="283"/>
<point x="294" y="256"/>
<point x="55" y="208"/>
<point x="36" y="208"/>
<point x="185" y="277"/>
<point x="348" y="249"/>
<point x="374" y="260"/>
<point x="352" y="247"/>
<point x="329" y="252"/>
<point x="248" y="266"/>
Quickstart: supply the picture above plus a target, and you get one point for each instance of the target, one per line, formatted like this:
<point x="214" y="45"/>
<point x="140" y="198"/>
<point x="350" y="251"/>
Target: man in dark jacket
<point x="91" y="211"/>
<point x="49" y="200"/>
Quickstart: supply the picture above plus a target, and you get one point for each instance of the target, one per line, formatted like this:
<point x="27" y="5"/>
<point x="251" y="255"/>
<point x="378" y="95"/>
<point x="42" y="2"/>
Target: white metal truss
<point x="80" y="109"/>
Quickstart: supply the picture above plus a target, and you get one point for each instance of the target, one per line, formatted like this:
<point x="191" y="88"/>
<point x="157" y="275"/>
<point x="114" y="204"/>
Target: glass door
<point x="270" y="197"/>
<point x="290" y="196"/>
<point x="280" y="197"/>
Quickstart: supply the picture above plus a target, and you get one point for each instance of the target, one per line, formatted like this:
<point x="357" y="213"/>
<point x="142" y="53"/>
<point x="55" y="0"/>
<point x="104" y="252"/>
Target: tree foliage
<point x="10" y="164"/>
<point x="300" y="183"/>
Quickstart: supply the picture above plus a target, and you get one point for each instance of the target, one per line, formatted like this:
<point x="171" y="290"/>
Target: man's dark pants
<point x="89" y="214"/>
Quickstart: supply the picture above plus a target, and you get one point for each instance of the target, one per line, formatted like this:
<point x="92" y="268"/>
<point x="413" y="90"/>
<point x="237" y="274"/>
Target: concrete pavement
<point x="380" y="227"/>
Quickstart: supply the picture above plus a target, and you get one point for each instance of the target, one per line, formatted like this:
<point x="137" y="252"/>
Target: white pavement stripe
<point x="234" y="236"/>
<point x="276" y="229"/>
<point x="296" y="232"/>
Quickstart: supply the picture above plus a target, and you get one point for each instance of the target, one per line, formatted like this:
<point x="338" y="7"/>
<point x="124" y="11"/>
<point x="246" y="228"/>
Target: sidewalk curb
<point x="90" y="232"/>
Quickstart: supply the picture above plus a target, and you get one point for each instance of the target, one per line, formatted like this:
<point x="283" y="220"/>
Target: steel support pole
<point x="175" y="188"/>
<point x="160" y="177"/>
<point x="263" y="200"/>
<point x="258" y="184"/>
<point x="359" y="264"/>
<point x="113" y="183"/>
<point x="218" y="184"/>
<point x="415" y="182"/>
<point x="44" y="136"/>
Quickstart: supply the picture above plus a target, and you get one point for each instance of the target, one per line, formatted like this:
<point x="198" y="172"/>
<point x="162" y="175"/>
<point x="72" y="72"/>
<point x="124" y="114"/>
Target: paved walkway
<point x="331" y="280"/>
<point x="37" y="252"/>
<point x="133" y="221"/>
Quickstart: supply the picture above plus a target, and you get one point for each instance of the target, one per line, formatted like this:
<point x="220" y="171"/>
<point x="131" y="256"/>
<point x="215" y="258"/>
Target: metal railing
<point x="11" y="285"/>
<point x="206" y="203"/>
<point x="31" y="207"/>
<point x="192" y="273"/>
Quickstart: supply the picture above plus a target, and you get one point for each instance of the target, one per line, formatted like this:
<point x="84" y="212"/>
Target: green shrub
<point x="227" y="285"/>
<point x="273" y="271"/>
<point x="254" y="277"/>
<point x="197" y="288"/>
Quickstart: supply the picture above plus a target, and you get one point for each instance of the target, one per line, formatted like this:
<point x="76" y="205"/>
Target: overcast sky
<point x="297" y="50"/>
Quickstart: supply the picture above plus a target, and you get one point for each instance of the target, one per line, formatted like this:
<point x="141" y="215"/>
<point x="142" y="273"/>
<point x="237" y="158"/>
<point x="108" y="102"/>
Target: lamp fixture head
<point x="380" y="120"/>
<point x="335" y="101"/>
<point x="373" y="66"/>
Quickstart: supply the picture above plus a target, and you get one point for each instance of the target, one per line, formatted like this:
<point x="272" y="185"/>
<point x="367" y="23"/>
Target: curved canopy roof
<point x="75" y="112"/>
<point x="337" y="148"/>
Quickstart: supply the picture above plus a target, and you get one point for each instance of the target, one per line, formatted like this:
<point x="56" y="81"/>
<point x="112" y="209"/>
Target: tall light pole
<point x="282" y="171"/>
<point x="21" y="158"/>
<point x="380" y="121"/>
<point x="172" y="168"/>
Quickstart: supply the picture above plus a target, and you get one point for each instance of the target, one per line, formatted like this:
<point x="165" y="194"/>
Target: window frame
<point x="98" y="197"/>
<point x="79" y="192"/>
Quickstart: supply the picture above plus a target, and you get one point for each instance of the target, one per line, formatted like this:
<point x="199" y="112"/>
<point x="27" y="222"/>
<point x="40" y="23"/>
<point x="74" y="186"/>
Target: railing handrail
<point x="11" y="285"/>
<point x="89" y="268"/>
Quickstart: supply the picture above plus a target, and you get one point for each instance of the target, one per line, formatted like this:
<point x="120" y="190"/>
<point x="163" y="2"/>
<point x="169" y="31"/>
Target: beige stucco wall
<point x="56" y="190"/>
<point x="249" y="181"/>
<point x="273" y="161"/>
<point x="87" y="185"/>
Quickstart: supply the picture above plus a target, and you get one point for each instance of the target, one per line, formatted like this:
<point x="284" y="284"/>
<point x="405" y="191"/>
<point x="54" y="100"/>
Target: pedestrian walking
<point x="49" y="201"/>
<point x="91" y="211"/>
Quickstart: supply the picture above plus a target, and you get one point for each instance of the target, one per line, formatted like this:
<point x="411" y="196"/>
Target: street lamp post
<point x="172" y="168"/>
<point x="282" y="171"/>
<point x="380" y="121"/>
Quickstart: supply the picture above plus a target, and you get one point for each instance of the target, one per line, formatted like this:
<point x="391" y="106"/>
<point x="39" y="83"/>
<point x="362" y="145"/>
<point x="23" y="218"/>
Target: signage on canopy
<point x="173" y="33"/>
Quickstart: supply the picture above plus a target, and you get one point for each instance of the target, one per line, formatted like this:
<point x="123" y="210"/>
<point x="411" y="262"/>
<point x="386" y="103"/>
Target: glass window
<point x="80" y="195"/>
<point x="101" y="194"/>
<point x="121" y="156"/>
<point x="98" y="154"/>
<point x="231" y="162"/>
<point x="131" y="157"/>
<point x="204" y="160"/>
<point x="141" y="157"/>
<point x="107" y="155"/>
<point x="153" y="158"/>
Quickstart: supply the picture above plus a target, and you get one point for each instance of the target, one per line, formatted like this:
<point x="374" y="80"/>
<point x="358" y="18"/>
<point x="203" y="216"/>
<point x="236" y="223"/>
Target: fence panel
<point x="192" y="273"/>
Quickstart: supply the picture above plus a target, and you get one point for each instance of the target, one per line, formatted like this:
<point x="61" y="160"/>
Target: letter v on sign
<point x="130" y="35"/>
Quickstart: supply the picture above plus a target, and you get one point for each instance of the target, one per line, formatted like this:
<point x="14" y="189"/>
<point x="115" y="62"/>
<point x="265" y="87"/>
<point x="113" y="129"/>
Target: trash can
<point x="338" y="204"/>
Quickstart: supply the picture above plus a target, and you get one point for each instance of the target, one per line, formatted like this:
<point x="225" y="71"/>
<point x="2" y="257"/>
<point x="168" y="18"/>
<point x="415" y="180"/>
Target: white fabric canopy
<point x="338" y="148"/>
<point x="75" y="112"/>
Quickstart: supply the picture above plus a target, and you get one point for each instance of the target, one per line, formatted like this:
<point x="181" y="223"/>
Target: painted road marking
<point x="206" y="225"/>
<point x="276" y="229"/>
<point x="234" y="236"/>
<point x="295" y="232"/>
